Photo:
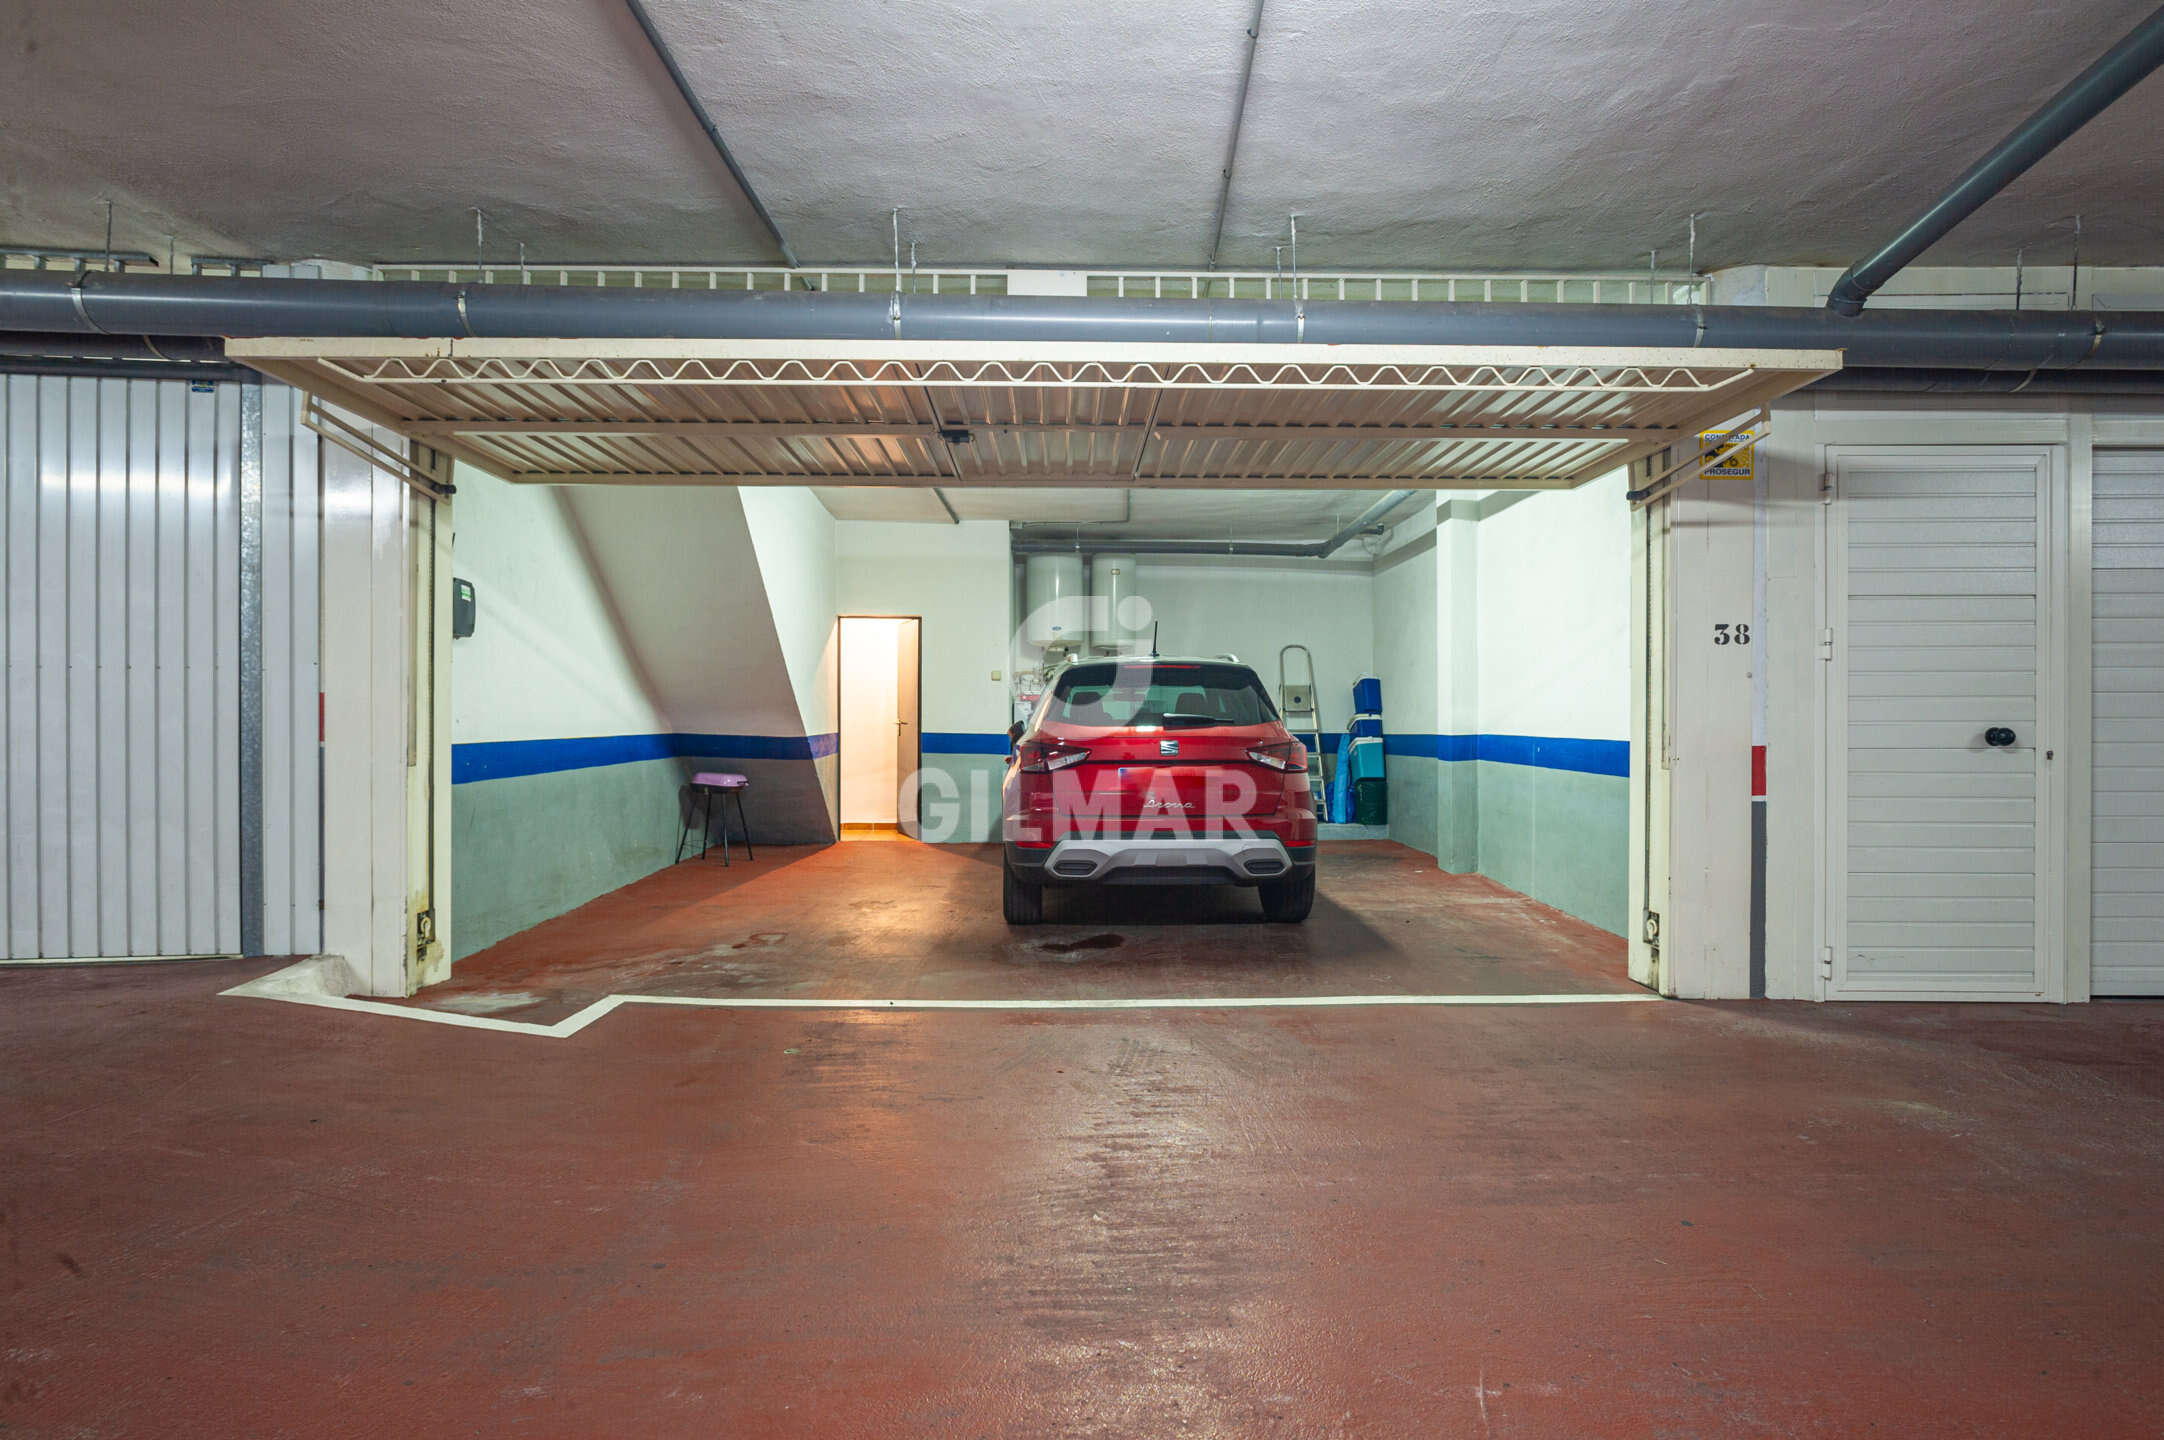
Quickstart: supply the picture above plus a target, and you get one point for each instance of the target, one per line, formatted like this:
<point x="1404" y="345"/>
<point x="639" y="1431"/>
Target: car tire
<point x="1019" y="900"/>
<point x="1288" y="901"/>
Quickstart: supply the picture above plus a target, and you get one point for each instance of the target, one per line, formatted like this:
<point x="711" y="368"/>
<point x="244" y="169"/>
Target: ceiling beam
<point x="873" y="430"/>
<point x="1119" y="481"/>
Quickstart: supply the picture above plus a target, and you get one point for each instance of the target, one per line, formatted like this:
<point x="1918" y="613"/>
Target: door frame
<point x="1651" y="750"/>
<point x="2065" y="751"/>
<point x="909" y="795"/>
<point x="841" y="677"/>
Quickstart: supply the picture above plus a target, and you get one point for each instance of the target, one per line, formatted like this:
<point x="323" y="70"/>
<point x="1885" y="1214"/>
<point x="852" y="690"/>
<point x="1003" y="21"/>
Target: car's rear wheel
<point x="1288" y="901"/>
<point x="1019" y="900"/>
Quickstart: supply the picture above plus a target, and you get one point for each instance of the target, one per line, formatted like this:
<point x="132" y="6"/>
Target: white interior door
<point x="1940" y="598"/>
<point x="2126" y="855"/>
<point x="908" y="730"/>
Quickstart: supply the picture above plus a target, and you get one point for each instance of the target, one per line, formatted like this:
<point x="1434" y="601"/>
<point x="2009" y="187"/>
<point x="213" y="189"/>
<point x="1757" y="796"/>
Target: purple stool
<point x="706" y="785"/>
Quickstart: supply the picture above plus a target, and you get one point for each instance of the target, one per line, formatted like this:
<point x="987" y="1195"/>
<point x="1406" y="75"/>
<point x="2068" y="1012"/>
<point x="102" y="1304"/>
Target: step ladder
<point x="1297" y="704"/>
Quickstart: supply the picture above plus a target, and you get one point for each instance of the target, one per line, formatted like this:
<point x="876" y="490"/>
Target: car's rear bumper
<point x="1229" y="860"/>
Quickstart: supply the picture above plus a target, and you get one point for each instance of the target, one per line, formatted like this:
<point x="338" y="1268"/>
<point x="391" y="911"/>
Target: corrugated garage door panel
<point x="122" y="804"/>
<point x="119" y="715"/>
<point x="2126" y="955"/>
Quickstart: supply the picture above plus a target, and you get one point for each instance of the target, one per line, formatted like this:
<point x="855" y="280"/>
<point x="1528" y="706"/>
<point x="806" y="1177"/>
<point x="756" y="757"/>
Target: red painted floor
<point x="235" y="1217"/>
<point x="903" y="920"/>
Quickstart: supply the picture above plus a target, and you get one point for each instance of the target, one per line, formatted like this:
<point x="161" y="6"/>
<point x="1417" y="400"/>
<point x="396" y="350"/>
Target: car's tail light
<point x="1041" y="756"/>
<point x="1284" y="755"/>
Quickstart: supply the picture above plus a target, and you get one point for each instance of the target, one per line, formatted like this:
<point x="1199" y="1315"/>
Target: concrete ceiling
<point x="1538" y="134"/>
<point x="1095" y="515"/>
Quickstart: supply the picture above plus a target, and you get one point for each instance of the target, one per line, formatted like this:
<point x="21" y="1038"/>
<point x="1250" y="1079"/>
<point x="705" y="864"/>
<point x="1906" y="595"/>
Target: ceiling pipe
<point x="2115" y="72"/>
<point x="1232" y="147"/>
<point x="206" y="305"/>
<point x="1993" y="382"/>
<point x="1367" y="520"/>
<point x="706" y="123"/>
<point x="80" y="369"/>
<point x="112" y="347"/>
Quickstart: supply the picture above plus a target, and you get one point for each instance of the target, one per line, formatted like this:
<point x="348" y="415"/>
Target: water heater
<point x="1118" y="614"/>
<point x="1055" y="603"/>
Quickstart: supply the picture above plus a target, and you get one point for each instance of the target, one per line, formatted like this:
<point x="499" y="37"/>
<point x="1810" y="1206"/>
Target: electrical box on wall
<point x="461" y="608"/>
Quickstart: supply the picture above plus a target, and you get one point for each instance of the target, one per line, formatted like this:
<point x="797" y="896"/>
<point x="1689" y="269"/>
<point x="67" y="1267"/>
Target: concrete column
<point x="366" y="668"/>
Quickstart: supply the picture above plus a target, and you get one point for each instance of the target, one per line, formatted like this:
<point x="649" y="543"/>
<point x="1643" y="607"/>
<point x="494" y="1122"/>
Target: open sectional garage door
<point x="954" y="414"/>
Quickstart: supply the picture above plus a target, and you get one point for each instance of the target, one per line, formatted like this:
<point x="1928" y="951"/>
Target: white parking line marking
<point x="307" y="984"/>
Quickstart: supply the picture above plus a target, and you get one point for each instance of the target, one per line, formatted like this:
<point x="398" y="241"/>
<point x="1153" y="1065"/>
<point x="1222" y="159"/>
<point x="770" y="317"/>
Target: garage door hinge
<point x="1825" y="963"/>
<point x="1825" y="644"/>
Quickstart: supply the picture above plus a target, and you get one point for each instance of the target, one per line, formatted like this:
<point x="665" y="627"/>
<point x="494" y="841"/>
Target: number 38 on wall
<point x="1726" y="634"/>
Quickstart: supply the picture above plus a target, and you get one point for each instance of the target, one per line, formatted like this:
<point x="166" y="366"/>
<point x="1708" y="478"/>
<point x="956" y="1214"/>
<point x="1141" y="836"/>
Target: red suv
<point x="1158" y="771"/>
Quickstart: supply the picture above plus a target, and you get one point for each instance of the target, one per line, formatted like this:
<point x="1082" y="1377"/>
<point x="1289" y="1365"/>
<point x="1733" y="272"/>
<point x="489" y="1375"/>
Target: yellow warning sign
<point x="1726" y="460"/>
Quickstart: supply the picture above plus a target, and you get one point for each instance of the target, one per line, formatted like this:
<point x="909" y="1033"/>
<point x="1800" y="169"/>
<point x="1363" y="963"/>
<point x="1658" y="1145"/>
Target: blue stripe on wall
<point x="1587" y="757"/>
<point x="503" y="759"/>
<point x="964" y="742"/>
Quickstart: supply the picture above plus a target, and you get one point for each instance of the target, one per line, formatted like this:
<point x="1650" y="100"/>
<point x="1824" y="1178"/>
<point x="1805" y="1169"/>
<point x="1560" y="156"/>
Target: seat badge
<point x="1168" y="747"/>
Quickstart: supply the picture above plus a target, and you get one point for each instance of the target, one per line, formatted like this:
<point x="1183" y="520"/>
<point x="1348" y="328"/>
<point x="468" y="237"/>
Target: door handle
<point x="1998" y="737"/>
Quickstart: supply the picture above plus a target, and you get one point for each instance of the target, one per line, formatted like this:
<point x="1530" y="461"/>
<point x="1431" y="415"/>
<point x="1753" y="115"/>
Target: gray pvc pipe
<point x="218" y="305"/>
<point x="1994" y="382"/>
<point x="2115" y="72"/>
<point x="1278" y="549"/>
<point x="112" y="347"/>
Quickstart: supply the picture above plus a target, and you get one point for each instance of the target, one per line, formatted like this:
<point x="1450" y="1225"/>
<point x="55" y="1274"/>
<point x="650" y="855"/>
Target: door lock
<point x="1999" y="737"/>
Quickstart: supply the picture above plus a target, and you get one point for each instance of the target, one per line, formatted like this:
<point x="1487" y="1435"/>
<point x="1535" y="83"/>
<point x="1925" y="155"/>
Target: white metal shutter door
<point x="1940" y="591"/>
<point x="122" y="796"/>
<point x="121" y="559"/>
<point x="2126" y="857"/>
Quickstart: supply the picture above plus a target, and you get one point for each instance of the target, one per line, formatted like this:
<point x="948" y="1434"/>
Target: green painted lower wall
<point x="530" y="847"/>
<point x="959" y="801"/>
<point x="1558" y="836"/>
<point x="1411" y="782"/>
<point x="1458" y="824"/>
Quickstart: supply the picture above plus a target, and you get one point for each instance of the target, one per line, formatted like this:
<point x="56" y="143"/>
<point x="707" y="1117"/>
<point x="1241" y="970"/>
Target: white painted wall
<point x="793" y="536"/>
<point x="958" y="578"/>
<point x="1405" y="650"/>
<point x="678" y="572"/>
<point x="870" y="764"/>
<point x="1554" y="615"/>
<point x="1457" y="618"/>
<point x="547" y="658"/>
<point x="1209" y="605"/>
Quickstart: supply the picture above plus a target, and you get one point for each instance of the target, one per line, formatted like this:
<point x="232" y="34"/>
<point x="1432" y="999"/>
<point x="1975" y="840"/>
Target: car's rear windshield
<point x="1168" y="693"/>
